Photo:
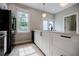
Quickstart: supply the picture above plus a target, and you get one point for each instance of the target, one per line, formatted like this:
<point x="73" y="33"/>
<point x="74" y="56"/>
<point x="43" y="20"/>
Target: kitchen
<point x="55" y="34"/>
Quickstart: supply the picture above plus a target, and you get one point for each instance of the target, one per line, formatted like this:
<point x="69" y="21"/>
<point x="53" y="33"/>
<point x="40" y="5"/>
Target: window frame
<point x="48" y="24"/>
<point x="17" y="25"/>
<point x="76" y="13"/>
<point x="44" y="26"/>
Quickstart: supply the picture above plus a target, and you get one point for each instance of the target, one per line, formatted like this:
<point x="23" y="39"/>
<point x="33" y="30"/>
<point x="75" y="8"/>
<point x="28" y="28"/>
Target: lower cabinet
<point x="38" y="39"/>
<point x="42" y="41"/>
<point x="67" y="45"/>
<point x="57" y="44"/>
<point x="59" y="52"/>
<point x="45" y="45"/>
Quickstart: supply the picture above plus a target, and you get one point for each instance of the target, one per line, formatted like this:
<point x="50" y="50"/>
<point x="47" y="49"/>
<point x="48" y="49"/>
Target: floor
<point x="26" y="50"/>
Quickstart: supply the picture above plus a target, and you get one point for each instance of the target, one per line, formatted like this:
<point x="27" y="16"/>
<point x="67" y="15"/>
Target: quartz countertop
<point x="64" y="33"/>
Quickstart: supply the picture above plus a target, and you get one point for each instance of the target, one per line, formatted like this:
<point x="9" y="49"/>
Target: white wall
<point x="35" y="21"/>
<point x="3" y="6"/>
<point x="59" y="20"/>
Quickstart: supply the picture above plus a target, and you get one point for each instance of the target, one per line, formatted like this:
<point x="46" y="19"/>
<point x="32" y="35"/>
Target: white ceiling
<point x="49" y="7"/>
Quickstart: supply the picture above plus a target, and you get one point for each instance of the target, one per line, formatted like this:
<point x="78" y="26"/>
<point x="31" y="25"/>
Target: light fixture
<point x="44" y="14"/>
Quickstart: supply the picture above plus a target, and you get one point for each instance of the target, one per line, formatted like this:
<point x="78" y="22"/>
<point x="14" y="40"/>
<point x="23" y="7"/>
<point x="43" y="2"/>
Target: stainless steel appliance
<point x="3" y="42"/>
<point x="6" y="28"/>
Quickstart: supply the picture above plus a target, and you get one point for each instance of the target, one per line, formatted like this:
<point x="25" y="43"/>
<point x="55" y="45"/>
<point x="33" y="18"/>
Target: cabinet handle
<point x="65" y="36"/>
<point x="61" y="55"/>
<point x="40" y="33"/>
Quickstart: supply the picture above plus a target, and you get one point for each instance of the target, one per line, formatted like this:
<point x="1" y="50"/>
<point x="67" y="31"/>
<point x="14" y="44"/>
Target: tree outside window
<point x="23" y="22"/>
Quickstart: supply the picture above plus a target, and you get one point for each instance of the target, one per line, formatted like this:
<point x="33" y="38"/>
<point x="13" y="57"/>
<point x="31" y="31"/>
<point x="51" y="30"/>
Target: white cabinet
<point x="57" y="44"/>
<point x="45" y="45"/>
<point x="66" y="44"/>
<point x="51" y="37"/>
<point x="42" y="41"/>
<point x="38" y="39"/>
<point x="59" y="52"/>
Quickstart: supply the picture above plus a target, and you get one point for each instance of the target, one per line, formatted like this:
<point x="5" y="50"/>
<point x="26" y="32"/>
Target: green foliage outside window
<point x="73" y="23"/>
<point x="23" y="23"/>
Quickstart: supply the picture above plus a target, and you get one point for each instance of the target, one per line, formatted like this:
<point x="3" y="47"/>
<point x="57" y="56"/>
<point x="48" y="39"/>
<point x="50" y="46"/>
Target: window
<point x="48" y="25"/>
<point x="45" y="25"/>
<point x="23" y="21"/>
<point x="70" y="23"/>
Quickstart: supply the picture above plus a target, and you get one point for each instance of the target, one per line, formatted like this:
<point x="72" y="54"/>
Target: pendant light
<point x="44" y="14"/>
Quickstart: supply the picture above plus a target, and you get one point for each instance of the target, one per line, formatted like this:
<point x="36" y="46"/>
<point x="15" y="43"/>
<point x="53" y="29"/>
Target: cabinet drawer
<point x="68" y="45"/>
<point x="59" y="52"/>
<point x="75" y="39"/>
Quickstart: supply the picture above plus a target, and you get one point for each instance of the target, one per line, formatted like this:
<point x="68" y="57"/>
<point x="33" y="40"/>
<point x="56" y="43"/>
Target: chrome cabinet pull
<point x="40" y="33"/>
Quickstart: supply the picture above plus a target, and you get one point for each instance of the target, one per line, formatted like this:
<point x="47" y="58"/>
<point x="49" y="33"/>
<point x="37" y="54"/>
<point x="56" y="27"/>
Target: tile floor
<point x="26" y="50"/>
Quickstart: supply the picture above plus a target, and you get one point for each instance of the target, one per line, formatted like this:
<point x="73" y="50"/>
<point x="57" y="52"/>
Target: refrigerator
<point x="5" y="28"/>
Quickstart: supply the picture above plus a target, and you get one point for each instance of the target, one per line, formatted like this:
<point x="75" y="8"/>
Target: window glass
<point x="48" y="25"/>
<point x="45" y="25"/>
<point x="23" y="23"/>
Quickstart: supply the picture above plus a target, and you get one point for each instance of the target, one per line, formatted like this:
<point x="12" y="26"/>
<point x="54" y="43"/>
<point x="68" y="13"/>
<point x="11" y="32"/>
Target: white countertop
<point x="67" y="33"/>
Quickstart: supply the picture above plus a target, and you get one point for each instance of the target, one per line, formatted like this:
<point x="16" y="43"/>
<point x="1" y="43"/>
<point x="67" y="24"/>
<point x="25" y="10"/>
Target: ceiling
<point x="49" y="7"/>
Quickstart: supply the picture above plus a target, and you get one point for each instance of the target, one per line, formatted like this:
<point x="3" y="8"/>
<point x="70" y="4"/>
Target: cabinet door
<point x="59" y="52"/>
<point x="1" y="46"/>
<point x="51" y="44"/>
<point x="45" y="45"/>
<point x="38" y="39"/>
<point x="67" y="45"/>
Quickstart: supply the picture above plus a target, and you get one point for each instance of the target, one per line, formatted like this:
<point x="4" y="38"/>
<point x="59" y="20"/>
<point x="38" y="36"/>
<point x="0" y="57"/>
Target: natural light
<point x="27" y="51"/>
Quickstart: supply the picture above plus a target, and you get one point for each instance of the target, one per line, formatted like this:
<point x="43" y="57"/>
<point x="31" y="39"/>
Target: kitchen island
<point x="57" y="43"/>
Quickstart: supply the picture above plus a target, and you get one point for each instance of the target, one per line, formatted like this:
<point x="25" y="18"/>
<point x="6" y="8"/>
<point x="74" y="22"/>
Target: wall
<point x="3" y="6"/>
<point x="35" y="21"/>
<point x="59" y="17"/>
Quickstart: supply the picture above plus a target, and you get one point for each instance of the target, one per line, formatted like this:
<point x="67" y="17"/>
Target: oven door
<point x="1" y="45"/>
<point x="3" y="42"/>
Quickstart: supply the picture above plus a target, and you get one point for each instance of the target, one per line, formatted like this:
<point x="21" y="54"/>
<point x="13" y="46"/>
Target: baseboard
<point x="21" y="42"/>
